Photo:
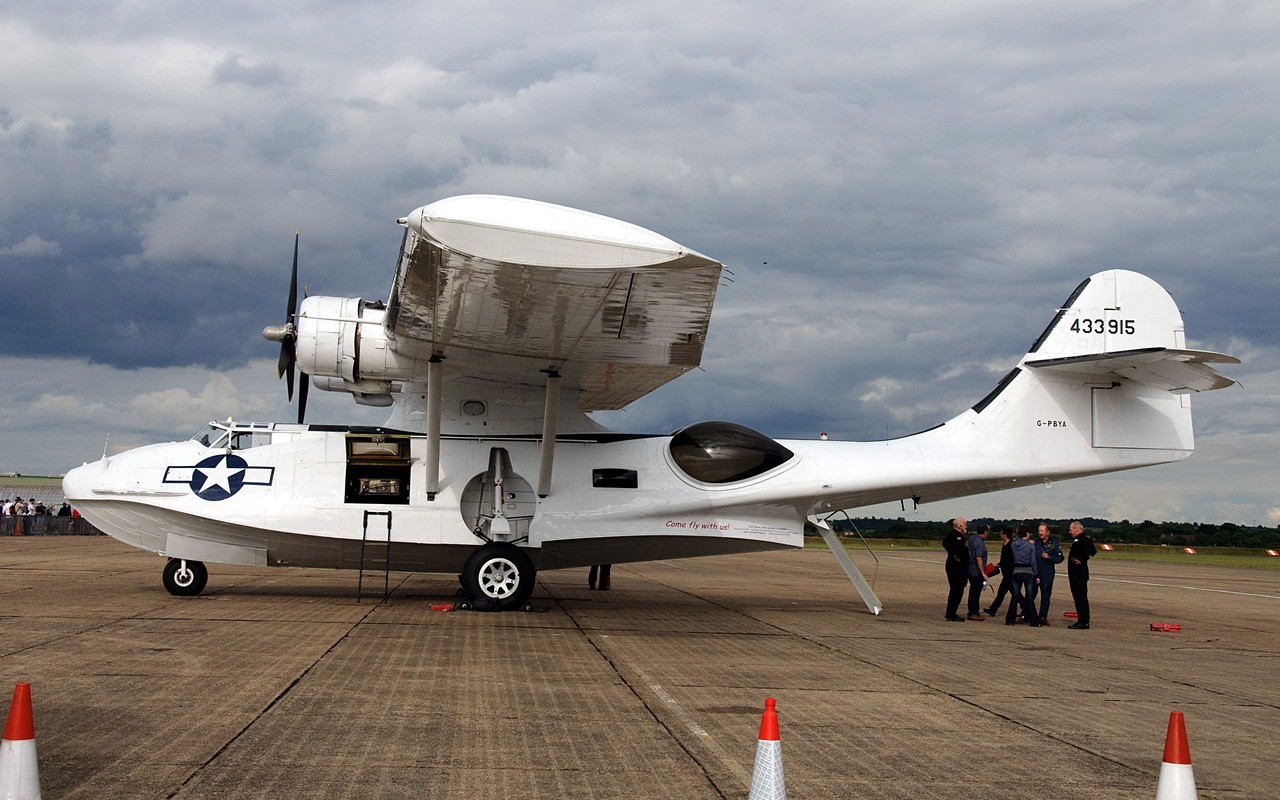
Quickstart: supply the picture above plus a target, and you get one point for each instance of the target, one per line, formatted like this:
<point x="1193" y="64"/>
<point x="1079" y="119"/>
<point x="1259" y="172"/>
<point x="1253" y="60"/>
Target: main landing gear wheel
<point x="185" y="578"/>
<point x="500" y="573"/>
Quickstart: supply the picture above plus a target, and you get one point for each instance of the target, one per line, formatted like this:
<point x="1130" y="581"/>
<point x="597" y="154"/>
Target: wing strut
<point x="850" y="569"/>
<point x="434" y="370"/>
<point x="550" y="418"/>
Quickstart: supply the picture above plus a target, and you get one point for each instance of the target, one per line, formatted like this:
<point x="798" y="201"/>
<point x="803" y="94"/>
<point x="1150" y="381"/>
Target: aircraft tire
<point x="501" y="573"/>
<point x="185" y="578"/>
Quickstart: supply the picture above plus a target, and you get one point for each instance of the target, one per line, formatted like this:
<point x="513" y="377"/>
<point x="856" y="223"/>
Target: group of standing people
<point x="1027" y="571"/>
<point x="17" y="507"/>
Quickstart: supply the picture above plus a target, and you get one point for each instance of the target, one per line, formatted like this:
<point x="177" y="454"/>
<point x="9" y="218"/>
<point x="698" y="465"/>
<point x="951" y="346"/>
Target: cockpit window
<point x="724" y="452"/>
<point x="243" y="440"/>
<point x="238" y="436"/>
<point x="213" y="435"/>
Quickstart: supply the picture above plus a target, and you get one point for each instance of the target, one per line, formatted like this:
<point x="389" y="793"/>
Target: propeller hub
<point x="279" y="333"/>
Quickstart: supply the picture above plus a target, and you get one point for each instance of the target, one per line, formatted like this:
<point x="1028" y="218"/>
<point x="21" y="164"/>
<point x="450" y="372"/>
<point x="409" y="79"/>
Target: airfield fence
<point x="47" y="526"/>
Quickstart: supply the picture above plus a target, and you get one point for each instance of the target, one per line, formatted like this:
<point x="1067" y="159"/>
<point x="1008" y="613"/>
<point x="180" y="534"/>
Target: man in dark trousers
<point x="977" y="571"/>
<point x="1024" y="579"/>
<point x="601" y="570"/>
<point x="1082" y="550"/>
<point x="1048" y="556"/>
<point x="957" y="548"/>
<point x="1006" y="571"/>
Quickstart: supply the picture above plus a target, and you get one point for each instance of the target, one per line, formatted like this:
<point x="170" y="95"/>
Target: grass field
<point x="1219" y="556"/>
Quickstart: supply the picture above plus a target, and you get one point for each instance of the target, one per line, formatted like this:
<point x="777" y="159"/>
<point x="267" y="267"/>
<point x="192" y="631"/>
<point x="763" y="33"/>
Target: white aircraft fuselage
<point x="508" y="321"/>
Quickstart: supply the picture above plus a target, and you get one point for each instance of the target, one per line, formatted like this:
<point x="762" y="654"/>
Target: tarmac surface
<point x="278" y="683"/>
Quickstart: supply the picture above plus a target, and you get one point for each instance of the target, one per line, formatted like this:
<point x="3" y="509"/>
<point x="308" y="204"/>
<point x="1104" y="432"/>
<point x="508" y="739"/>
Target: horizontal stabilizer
<point x="1177" y="371"/>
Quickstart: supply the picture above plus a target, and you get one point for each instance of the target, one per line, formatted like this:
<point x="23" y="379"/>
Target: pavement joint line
<point x="1108" y="691"/>
<point x="827" y="646"/>
<point x="64" y="637"/>
<point x="267" y="708"/>
<point x="1190" y="588"/>
<point x="974" y="704"/>
<point x="73" y="634"/>
<point x="674" y="706"/>
<point x="743" y="776"/>
<point x="1131" y="582"/>
<point x="698" y="731"/>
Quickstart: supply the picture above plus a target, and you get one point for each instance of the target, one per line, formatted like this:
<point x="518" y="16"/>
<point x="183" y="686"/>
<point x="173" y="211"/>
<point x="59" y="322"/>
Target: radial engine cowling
<point x="343" y="346"/>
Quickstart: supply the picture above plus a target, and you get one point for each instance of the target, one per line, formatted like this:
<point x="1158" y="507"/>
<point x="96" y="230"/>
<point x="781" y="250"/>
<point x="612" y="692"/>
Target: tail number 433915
<point x="1117" y="326"/>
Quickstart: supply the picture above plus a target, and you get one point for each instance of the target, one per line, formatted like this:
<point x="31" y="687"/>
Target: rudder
<point x="1111" y="311"/>
<point x="1121" y="335"/>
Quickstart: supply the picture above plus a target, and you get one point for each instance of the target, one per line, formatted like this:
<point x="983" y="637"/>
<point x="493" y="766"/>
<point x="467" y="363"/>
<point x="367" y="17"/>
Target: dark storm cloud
<point x="900" y="168"/>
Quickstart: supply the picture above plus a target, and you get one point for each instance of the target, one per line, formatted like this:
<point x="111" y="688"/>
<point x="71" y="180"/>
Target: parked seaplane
<point x="508" y="321"/>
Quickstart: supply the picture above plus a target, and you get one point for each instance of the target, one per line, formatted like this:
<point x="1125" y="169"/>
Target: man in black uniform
<point x="1006" y="572"/>
<point x="957" y="547"/>
<point x="1082" y="550"/>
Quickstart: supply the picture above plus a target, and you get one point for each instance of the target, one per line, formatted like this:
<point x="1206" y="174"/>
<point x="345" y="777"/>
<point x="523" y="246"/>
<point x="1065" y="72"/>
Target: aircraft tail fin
<point x="1125" y="326"/>
<point x="1105" y="387"/>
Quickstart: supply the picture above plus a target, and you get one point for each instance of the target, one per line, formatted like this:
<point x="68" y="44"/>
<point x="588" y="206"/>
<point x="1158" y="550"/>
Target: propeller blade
<point x="286" y="350"/>
<point x="285" y="362"/>
<point x="288" y="343"/>
<point x="293" y="281"/>
<point x="302" y="396"/>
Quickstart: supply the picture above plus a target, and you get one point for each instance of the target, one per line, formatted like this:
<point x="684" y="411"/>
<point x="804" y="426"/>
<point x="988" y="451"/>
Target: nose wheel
<point x="185" y="578"/>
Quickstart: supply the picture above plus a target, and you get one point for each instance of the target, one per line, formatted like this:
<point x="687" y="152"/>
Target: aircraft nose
<point x="78" y="483"/>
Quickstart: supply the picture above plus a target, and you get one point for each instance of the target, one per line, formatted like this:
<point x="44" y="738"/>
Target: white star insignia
<point x="219" y="475"/>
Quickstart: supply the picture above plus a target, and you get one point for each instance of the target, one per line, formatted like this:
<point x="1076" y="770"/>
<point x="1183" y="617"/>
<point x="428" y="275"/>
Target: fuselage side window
<point x="724" y="452"/>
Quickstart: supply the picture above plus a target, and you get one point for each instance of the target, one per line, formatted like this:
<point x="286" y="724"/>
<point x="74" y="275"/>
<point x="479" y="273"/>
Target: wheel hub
<point x="499" y="578"/>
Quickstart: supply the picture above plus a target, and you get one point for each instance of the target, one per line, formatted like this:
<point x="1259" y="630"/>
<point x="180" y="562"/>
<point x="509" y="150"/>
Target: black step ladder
<point x="386" y="565"/>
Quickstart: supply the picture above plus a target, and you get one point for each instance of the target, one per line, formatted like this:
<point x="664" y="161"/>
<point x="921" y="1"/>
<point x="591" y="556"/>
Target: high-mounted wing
<point x="515" y="288"/>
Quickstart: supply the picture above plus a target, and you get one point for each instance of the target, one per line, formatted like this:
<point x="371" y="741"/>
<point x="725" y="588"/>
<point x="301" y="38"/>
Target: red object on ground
<point x="20" y="727"/>
<point x="442" y="607"/>
<point x="1177" y="779"/>
<point x="769" y="721"/>
<point x="1166" y="627"/>
<point x="1176" y="749"/>
<point x="1070" y="614"/>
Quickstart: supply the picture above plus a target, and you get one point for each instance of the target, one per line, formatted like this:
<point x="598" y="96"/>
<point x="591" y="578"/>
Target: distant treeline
<point x="1226" y="534"/>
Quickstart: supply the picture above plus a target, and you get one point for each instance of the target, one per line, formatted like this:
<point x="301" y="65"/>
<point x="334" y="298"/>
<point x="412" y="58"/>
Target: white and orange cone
<point x="19" y="774"/>
<point x="1176" y="780"/>
<point x="766" y="779"/>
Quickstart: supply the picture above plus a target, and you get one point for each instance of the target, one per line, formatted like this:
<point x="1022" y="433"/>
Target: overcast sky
<point x="904" y="192"/>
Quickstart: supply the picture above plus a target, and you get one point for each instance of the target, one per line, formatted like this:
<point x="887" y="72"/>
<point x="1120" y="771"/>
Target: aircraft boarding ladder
<point x="386" y="561"/>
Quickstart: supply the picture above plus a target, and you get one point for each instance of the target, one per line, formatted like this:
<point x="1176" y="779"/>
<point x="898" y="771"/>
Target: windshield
<point x="213" y="435"/>
<point x="233" y="436"/>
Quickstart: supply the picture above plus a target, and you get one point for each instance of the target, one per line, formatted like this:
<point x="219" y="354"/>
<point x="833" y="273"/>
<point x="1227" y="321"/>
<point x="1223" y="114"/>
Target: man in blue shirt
<point x="1048" y="555"/>
<point x="977" y="571"/>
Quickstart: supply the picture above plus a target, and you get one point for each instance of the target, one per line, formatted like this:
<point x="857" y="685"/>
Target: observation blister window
<point x="725" y="452"/>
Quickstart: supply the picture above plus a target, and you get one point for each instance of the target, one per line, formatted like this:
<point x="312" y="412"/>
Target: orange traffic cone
<point x="766" y="779"/>
<point x="19" y="775"/>
<point x="1176" y="780"/>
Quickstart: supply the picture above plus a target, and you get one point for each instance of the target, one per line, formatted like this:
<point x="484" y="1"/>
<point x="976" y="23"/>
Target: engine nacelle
<point x="342" y="344"/>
